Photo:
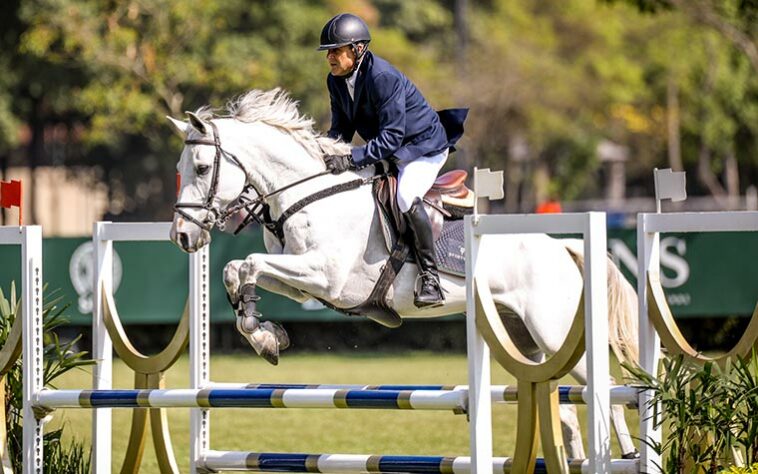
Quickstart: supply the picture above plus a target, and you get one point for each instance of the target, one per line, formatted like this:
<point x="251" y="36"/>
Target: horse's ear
<point x="196" y="122"/>
<point x="178" y="126"/>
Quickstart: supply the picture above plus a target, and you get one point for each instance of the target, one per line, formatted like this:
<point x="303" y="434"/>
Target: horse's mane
<point x="276" y="108"/>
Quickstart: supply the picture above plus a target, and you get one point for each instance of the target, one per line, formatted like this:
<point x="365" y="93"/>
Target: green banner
<point x="704" y="274"/>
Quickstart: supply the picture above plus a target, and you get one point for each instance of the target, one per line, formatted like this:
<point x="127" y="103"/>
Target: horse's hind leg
<point x="570" y="428"/>
<point x="628" y="450"/>
<point x="618" y="418"/>
<point x="572" y="433"/>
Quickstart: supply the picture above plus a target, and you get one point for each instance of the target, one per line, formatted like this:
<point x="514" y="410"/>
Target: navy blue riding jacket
<point x="388" y="112"/>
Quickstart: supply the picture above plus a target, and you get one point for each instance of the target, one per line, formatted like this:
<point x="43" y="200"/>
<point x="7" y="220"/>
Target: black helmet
<point x="344" y="29"/>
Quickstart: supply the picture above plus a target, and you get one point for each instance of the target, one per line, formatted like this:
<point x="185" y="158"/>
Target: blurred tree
<point x="546" y="82"/>
<point x="707" y="80"/>
<point x="549" y="81"/>
<point x="34" y="98"/>
<point x="151" y="59"/>
<point x="734" y="20"/>
<point x="146" y="60"/>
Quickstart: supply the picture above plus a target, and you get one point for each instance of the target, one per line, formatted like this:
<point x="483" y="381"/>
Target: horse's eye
<point x="202" y="170"/>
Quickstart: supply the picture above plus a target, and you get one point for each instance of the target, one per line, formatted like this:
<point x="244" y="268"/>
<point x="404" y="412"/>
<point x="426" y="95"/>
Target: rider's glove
<point x="339" y="163"/>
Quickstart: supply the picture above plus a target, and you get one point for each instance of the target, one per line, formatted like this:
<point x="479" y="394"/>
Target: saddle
<point x="446" y="203"/>
<point x="448" y="199"/>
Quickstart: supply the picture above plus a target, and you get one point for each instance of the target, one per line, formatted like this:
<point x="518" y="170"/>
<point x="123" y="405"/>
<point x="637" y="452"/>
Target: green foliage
<point x="707" y="412"/>
<point x="60" y="358"/>
<point x="741" y="470"/>
<point x="558" y="76"/>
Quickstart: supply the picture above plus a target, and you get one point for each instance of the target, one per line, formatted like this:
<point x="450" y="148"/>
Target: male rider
<point x="369" y="96"/>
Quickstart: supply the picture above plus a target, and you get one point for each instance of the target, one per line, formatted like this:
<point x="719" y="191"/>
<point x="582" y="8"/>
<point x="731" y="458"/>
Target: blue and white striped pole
<point x="281" y="396"/>
<point x="336" y="463"/>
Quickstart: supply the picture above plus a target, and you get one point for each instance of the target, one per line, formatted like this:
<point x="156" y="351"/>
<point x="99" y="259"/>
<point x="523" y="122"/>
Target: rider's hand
<point x="339" y="163"/>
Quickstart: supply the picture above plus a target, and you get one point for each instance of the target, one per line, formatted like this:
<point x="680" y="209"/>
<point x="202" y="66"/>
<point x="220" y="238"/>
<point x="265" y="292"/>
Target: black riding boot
<point x="420" y="228"/>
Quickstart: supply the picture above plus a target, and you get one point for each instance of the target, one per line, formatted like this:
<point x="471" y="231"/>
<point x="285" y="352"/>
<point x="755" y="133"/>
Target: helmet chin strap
<point x="358" y="56"/>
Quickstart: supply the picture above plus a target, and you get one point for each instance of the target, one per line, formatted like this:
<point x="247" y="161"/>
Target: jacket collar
<point x="366" y="63"/>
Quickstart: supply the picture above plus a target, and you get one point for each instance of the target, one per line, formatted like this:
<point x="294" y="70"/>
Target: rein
<point x="258" y="209"/>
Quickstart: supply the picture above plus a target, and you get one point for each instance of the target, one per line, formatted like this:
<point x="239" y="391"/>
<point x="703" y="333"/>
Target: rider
<point x="369" y="96"/>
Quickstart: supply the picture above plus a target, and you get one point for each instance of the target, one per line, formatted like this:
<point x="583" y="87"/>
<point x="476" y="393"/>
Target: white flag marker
<point x="488" y="184"/>
<point x="669" y="185"/>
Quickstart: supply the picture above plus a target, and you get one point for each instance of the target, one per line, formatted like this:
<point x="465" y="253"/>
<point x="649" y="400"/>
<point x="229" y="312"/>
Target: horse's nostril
<point x="183" y="238"/>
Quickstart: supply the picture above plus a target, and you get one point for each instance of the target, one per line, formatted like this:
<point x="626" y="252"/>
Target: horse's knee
<point x="231" y="274"/>
<point x="231" y="268"/>
<point x="248" y="269"/>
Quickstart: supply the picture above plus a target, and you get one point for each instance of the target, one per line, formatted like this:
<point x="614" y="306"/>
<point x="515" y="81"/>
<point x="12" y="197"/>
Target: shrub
<point x="708" y="414"/>
<point x="741" y="470"/>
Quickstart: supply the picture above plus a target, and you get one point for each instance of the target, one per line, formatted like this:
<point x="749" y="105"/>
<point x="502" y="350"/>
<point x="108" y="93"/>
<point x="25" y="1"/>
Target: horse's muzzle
<point x="190" y="242"/>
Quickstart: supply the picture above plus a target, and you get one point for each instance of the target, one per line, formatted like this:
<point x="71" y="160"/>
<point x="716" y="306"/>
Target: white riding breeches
<point x="416" y="177"/>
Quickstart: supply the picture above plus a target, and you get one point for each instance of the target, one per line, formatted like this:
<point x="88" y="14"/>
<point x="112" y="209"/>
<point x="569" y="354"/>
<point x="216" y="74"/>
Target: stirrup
<point x="418" y="286"/>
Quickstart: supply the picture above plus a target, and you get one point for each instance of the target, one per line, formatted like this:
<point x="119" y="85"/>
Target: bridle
<point x="213" y="215"/>
<point x="258" y="209"/>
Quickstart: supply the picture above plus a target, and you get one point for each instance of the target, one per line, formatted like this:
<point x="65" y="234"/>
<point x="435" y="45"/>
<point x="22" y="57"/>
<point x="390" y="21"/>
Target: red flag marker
<point x="178" y="183"/>
<point x="11" y="195"/>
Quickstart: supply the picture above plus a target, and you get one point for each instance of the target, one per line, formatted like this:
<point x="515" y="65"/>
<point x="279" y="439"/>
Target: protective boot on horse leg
<point x="427" y="292"/>
<point x="266" y="337"/>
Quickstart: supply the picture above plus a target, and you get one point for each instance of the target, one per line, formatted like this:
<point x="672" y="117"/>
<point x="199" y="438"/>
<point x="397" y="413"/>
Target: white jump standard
<point x="30" y="240"/>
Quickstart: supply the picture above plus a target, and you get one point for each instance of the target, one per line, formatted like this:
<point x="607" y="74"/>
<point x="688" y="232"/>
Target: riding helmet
<point x="342" y="30"/>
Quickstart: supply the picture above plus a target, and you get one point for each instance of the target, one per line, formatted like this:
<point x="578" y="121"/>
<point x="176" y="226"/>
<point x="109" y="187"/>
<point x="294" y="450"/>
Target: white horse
<point x="333" y="248"/>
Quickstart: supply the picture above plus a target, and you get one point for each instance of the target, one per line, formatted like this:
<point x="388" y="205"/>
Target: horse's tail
<point x="623" y="325"/>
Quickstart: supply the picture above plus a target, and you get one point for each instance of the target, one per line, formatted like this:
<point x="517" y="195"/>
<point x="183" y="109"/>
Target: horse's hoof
<point x="265" y="344"/>
<point x="233" y="301"/>
<point x="633" y="455"/>
<point x="269" y="345"/>
<point x="281" y="335"/>
<point x="272" y="357"/>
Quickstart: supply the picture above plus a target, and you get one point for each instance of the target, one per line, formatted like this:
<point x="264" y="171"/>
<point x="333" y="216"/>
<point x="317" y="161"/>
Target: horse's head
<point x="211" y="177"/>
<point x="264" y="146"/>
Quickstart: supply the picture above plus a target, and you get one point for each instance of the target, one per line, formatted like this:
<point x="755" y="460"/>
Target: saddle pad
<point x="449" y="249"/>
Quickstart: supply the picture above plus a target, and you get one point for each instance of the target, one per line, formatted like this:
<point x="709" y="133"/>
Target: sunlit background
<point x="577" y="100"/>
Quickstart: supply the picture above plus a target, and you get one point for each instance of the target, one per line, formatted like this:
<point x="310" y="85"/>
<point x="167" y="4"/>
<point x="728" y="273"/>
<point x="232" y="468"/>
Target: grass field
<point x="314" y="430"/>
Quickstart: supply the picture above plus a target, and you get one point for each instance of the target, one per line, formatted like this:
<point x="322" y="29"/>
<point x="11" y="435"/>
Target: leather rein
<point x="258" y="209"/>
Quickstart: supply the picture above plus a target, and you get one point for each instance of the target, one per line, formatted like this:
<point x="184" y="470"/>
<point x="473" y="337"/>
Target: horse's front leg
<point x="259" y="334"/>
<point x="232" y="284"/>
<point x="294" y="276"/>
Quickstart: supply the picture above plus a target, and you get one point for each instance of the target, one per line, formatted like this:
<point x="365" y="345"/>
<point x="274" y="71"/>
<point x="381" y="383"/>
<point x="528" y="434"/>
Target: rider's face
<point x="341" y="60"/>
